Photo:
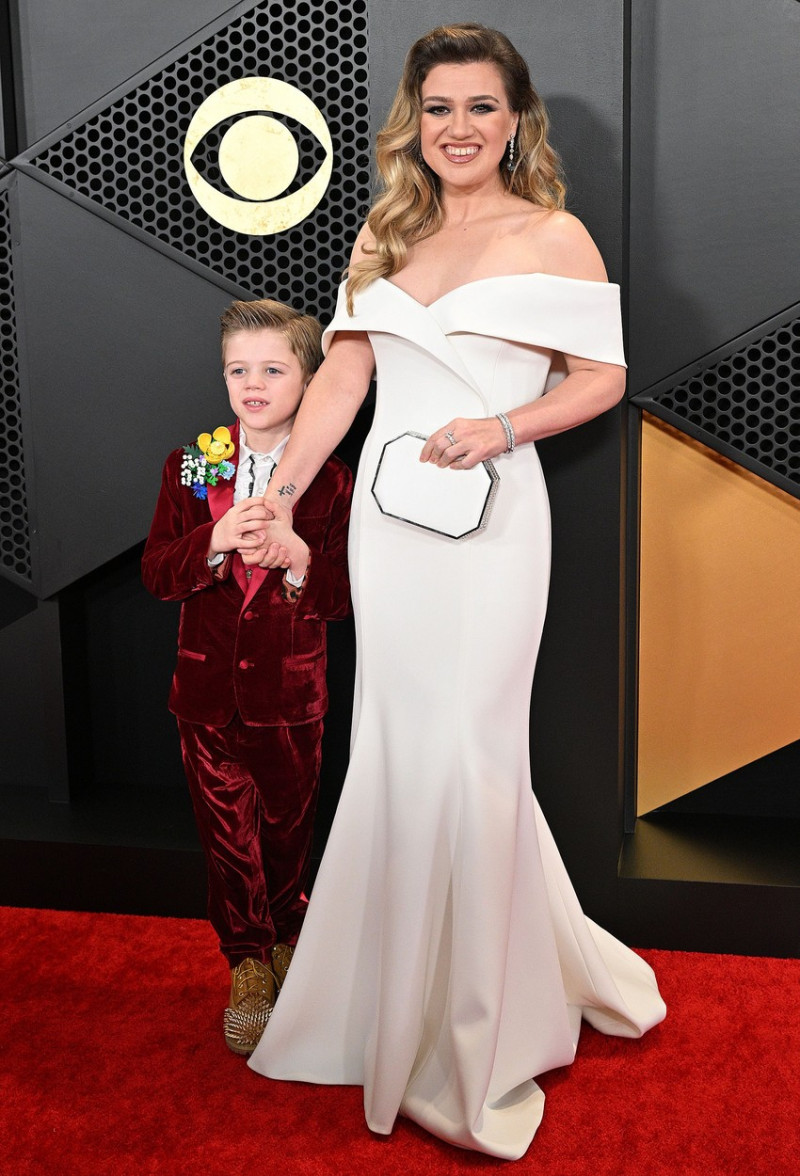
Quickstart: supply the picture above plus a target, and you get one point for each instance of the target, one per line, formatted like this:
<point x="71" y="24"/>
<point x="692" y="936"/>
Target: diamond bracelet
<point x="508" y="429"/>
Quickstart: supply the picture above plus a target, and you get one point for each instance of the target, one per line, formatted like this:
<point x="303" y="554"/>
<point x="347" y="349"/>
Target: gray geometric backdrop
<point x="676" y="122"/>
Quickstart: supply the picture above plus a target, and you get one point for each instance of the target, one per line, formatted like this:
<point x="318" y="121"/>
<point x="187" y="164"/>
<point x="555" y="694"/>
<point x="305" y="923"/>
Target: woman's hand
<point x="285" y="549"/>
<point x="464" y="442"/>
<point x="278" y="506"/>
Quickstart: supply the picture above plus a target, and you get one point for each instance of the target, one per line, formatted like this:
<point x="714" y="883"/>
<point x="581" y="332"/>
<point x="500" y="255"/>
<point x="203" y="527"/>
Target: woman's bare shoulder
<point x="364" y="245"/>
<point x="563" y="246"/>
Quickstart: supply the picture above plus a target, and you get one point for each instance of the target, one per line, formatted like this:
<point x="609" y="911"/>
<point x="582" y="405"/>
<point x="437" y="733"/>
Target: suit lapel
<point x="257" y="578"/>
<point x="220" y="498"/>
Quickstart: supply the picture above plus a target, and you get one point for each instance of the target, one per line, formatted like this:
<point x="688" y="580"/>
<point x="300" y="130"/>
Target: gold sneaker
<point x="281" y="958"/>
<point x="252" y="1000"/>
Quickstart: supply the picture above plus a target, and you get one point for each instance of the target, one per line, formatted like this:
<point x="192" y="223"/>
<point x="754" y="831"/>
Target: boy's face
<point x="265" y="384"/>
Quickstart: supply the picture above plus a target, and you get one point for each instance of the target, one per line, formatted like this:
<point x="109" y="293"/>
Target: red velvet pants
<point x="254" y="792"/>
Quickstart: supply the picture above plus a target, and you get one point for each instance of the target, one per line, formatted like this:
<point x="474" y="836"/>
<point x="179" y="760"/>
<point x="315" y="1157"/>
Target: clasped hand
<point x="242" y="528"/>
<point x="464" y="443"/>
<point x="279" y="546"/>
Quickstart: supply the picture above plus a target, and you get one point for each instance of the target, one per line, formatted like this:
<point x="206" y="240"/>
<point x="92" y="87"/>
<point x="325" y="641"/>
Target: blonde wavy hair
<point x="409" y="208"/>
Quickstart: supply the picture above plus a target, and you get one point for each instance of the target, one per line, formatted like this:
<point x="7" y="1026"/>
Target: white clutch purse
<point x="452" y="503"/>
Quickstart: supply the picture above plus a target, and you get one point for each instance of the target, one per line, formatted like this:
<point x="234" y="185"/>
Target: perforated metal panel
<point x="129" y="157"/>
<point x="747" y="401"/>
<point x="15" y="549"/>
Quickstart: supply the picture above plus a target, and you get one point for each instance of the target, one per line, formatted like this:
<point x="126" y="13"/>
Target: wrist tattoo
<point x="288" y="489"/>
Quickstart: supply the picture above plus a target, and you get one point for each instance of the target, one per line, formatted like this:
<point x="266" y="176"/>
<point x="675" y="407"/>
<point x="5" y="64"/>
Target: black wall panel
<point x="114" y="255"/>
<point x="715" y="175"/>
<point x="121" y="360"/>
<point x="15" y="538"/>
<point x="33" y="718"/>
<point x="119" y="654"/>
<point x="68" y="55"/>
<point x="7" y="123"/>
<point x="124" y="157"/>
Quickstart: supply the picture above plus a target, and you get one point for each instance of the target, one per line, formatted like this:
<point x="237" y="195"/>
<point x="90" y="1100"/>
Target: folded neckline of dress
<point x="491" y="278"/>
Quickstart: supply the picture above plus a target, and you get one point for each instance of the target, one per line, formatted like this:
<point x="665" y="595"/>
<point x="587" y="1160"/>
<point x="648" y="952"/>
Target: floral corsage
<point x="205" y="462"/>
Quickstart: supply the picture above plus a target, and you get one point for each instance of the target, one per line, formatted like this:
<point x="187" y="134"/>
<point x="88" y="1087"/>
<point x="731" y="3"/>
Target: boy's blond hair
<point x="302" y="332"/>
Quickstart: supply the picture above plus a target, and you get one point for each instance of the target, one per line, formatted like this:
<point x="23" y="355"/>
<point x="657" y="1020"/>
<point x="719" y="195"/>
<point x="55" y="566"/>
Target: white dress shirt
<point x="254" y="470"/>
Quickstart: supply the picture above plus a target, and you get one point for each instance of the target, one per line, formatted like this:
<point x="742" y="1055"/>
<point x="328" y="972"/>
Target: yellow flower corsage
<point x="216" y="446"/>
<point x="207" y="461"/>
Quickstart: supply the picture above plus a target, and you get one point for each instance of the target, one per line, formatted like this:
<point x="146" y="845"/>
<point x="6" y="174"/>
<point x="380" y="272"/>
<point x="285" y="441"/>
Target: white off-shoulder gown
<point x="445" y="960"/>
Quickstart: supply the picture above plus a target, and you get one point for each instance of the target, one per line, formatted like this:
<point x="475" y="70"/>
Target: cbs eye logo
<point x="258" y="156"/>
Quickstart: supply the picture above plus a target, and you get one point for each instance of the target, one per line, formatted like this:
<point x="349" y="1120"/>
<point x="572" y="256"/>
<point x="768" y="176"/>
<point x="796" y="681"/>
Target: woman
<point x="445" y="959"/>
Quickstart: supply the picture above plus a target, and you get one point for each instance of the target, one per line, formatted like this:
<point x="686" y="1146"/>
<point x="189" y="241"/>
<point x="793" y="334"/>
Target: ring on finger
<point x="451" y="438"/>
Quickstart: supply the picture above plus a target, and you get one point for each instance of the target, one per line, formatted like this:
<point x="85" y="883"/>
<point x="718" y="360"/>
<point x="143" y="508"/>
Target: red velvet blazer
<point x="241" y="646"/>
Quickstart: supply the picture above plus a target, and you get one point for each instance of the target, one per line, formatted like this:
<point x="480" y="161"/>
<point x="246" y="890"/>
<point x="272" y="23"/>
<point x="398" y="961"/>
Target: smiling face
<point x="465" y="125"/>
<point x="265" y="381"/>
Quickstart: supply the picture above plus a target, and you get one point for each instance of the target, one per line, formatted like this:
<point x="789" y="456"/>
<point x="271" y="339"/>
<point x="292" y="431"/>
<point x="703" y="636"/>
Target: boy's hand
<point x="242" y="528"/>
<point x="283" y="548"/>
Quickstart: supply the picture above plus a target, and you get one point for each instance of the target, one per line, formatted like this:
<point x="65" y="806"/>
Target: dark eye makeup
<point x="440" y="109"/>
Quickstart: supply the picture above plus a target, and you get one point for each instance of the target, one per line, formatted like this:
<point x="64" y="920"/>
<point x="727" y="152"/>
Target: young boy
<point x="249" y="689"/>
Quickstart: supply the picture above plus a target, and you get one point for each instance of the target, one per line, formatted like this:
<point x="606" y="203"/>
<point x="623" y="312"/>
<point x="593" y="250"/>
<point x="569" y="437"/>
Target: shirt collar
<point x="245" y="451"/>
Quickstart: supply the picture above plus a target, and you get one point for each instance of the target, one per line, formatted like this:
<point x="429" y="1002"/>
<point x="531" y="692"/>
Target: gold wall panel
<point x="719" y="636"/>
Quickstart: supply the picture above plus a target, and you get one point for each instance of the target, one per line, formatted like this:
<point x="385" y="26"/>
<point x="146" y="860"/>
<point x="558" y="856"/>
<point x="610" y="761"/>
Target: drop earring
<point x="510" y="164"/>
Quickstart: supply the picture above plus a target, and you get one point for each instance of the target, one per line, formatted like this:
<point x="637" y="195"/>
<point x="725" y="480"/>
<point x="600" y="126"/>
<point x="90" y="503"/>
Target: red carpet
<point x="112" y="1062"/>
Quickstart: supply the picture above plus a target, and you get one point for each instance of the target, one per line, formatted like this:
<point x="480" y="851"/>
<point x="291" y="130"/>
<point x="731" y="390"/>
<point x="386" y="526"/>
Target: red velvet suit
<point x="249" y="693"/>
